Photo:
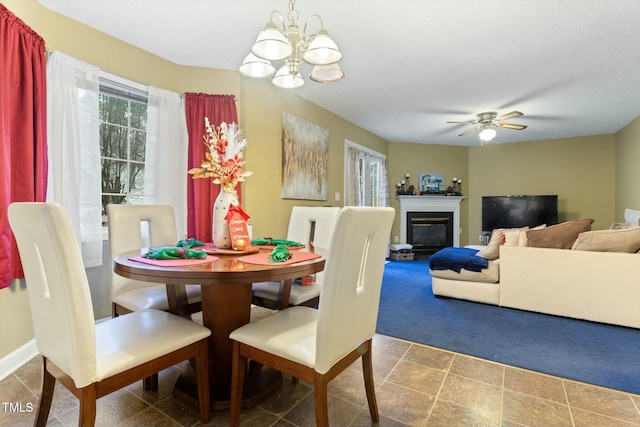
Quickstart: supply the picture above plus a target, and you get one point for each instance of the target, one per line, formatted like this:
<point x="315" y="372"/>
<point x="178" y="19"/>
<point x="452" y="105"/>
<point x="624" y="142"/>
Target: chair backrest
<point x="348" y="309"/>
<point x="126" y="225"/>
<point x="57" y="286"/>
<point x="302" y="217"/>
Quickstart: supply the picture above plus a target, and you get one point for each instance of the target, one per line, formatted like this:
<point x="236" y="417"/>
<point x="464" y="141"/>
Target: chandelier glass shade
<point x="293" y="47"/>
<point x="285" y="79"/>
<point x="322" y="50"/>
<point x="257" y="67"/>
<point x="326" y="73"/>
<point x="271" y="44"/>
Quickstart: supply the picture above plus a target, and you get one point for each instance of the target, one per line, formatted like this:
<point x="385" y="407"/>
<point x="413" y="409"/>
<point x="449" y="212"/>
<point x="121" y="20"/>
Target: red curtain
<point x="23" y="137"/>
<point x="201" y="193"/>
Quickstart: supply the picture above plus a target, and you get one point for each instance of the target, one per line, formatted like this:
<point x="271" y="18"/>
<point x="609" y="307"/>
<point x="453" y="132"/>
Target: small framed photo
<point x="431" y="182"/>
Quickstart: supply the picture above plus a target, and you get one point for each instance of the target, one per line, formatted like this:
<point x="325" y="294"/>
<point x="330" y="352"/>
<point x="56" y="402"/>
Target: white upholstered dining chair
<point x="92" y="360"/>
<point x="126" y="226"/>
<point x="307" y="224"/>
<point x="316" y="345"/>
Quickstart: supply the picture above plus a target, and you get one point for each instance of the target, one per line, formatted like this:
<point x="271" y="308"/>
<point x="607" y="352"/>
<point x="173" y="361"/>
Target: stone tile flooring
<point x="416" y="385"/>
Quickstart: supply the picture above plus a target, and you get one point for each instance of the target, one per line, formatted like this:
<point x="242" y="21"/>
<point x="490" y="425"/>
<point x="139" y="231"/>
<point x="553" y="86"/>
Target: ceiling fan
<point x="489" y="120"/>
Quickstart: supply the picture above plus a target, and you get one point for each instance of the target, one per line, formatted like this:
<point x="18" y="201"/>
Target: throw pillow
<point x="559" y="236"/>
<point x="522" y="235"/>
<point x="512" y="238"/>
<point x="618" y="240"/>
<point x="492" y="251"/>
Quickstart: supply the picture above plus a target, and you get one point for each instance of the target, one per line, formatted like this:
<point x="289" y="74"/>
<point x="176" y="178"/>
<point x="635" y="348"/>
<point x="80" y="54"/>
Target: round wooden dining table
<point x="226" y="305"/>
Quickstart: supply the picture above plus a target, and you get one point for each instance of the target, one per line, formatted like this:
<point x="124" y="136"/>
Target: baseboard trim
<point x="17" y="358"/>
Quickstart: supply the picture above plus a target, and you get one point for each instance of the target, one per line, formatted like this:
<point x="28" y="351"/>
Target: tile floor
<point x="416" y="385"/>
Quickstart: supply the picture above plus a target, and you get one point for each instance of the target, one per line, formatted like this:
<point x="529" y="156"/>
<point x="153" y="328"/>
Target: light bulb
<point x="487" y="134"/>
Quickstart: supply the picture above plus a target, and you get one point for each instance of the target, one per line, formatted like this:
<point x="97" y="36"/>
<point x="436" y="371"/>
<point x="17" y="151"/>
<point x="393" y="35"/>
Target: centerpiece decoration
<point x="224" y="165"/>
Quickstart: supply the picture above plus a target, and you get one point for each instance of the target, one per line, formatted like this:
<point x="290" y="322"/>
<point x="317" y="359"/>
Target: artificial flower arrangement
<point x="225" y="156"/>
<point x="225" y="165"/>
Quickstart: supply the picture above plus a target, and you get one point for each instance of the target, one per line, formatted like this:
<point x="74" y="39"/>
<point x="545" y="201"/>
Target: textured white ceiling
<point x="571" y="66"/>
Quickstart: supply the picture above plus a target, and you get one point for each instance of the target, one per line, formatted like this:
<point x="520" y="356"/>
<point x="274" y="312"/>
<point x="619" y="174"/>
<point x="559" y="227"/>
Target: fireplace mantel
<point x="430" y="204"/>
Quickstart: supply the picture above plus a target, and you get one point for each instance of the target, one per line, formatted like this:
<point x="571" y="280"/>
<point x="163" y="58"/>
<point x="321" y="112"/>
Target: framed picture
<point x="431" y="182"/>
<point x="305" y="159"/>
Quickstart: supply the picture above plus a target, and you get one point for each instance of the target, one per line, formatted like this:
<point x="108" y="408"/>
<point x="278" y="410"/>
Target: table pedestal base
<point x="259" y="384"/>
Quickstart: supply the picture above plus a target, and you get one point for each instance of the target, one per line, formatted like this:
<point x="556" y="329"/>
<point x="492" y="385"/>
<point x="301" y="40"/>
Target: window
<point x="123" y="130"/>
<point x="366" y="177"/>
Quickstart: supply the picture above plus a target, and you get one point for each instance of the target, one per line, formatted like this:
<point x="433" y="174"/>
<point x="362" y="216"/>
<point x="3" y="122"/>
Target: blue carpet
<point x="594" y="353"/>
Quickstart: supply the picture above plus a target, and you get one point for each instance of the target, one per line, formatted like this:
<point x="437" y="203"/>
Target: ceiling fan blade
<point x="512" y="126"/>
<point x="470" y="131"/>
<point x="474" y="122"/>
<point x="510" y="115"/>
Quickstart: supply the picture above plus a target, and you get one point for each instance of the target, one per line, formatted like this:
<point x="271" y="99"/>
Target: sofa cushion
<point x="559" y="236"/>
<point x="519" y="238"/>
<point x="492" y="251"/>
<point x="617" y="240"/>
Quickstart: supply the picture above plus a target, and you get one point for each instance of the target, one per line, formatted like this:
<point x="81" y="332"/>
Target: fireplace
<point x="430" y="206"/>
<point x="428" y="232"/>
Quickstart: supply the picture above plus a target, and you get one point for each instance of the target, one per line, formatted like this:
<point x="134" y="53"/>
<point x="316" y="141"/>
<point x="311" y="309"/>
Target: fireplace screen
<point x="429" y="232"/>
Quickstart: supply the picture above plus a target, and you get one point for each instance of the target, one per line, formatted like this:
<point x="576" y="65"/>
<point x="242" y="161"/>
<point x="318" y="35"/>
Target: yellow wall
<point x="85" y="43"/>
<point x="581" y="171"/>
<point x="414" y="159"/>
<point x="627" y="161"/>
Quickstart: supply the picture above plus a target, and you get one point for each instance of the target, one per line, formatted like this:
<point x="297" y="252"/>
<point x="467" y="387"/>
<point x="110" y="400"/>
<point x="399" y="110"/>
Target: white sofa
<point x="596" y="286"/>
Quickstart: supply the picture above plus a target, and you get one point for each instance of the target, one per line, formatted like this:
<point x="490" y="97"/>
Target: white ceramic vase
<point x="221" y="236"/>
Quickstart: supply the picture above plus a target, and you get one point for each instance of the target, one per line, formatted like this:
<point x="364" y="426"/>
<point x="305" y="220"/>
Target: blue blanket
<point x="456" y="259"/>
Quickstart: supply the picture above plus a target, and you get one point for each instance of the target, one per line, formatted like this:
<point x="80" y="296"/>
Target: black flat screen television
<point x="518" y="211"/>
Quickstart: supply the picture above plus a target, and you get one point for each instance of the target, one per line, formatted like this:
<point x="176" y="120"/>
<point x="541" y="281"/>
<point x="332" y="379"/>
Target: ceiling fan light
<point x="326" y="73"/>
<point x="271" y="44"/>
<point x="253" y="66"/>
<point x="322" y="50"/>
<point x="487" y="134"/>
<point x="286" y="80"/>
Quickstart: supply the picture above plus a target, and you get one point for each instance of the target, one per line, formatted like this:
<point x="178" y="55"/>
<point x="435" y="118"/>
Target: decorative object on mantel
<point x="432" y="183"/>
<point x="288" y="45"/>
<point x="404" y="188"/>
<point x="456" y="188"/>
<point x="224" y="164"/>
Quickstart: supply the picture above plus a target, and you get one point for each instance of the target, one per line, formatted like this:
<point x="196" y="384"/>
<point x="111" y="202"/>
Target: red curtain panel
<point x="201" y="193"/>
<point x="23" y="137"/>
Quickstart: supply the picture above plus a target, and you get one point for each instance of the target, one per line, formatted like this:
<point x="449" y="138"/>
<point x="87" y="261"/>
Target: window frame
<point x="130" y="91"/>
<point x="369" y="157"/>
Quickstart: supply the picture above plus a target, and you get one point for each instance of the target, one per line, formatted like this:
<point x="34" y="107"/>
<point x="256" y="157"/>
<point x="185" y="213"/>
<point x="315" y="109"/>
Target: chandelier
<point x="288" y="45"/>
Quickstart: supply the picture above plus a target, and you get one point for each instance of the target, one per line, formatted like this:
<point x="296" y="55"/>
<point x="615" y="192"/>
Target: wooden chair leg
<point x="202" y="372"/>
<point x="367" y="370"/>
<point x="238" y="371"/>
<point x="150" y="383"/>
<point x="87" y="406"/>
<point x="46" y="396"/>
<point x="320" y="401"/>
